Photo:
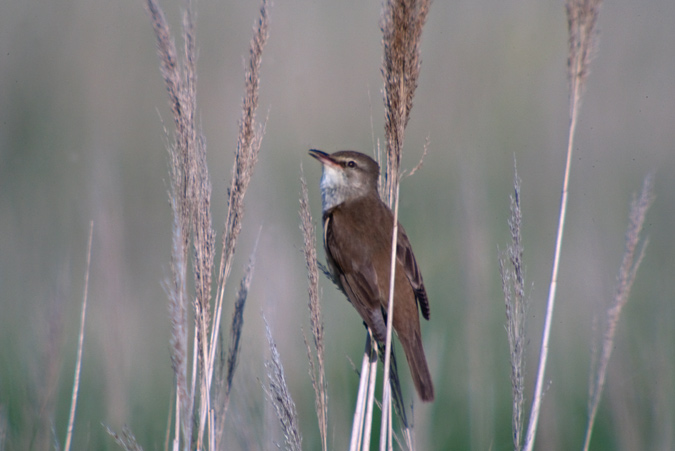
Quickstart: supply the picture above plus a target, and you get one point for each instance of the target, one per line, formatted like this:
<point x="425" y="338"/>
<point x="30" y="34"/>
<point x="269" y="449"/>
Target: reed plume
<point x="317" y="368"/>
<point x="582" y="17"/>
<point x="512" y="271"/>
<point x="190" y="199"/>
<point x="632" y="258"/>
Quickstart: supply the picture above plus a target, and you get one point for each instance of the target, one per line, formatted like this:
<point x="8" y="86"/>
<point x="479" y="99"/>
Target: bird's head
<point x="347" y="175"/>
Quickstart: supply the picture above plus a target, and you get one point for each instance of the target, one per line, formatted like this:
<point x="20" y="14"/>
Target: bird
<point x="357" y="233"/>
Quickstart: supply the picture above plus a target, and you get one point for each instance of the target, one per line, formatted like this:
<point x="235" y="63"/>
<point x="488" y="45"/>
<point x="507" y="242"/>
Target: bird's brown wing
<point x="356" y="276"/>
<point x="406" y="258"/>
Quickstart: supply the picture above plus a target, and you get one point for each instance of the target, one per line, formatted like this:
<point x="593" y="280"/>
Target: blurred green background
<point x="81" y="110"/>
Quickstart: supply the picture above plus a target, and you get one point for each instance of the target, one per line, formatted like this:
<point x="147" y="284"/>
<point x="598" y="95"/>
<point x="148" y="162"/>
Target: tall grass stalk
<point x="632" y="257"/>
<point x="249" y="140"/>
<point x="359" y="410"/>
<point x="582" y="17"/>
<point x="386" y="427"/>
<point x="80" y="346"/>
<point x="363" y="413"/>
<point x="278" y="393"/>
<point x="402" y="24"/>
<point x="317" y="365"/>
<point x="227" y="366"/>
<point x="190" y="198"/>
<point x="512" y="271"/>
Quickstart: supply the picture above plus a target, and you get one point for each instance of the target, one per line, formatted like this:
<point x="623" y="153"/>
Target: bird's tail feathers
<point x="419" y="369"/>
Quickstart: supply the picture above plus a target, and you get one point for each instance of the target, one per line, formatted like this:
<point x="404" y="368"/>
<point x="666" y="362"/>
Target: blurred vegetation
<point x="81" y="140"/>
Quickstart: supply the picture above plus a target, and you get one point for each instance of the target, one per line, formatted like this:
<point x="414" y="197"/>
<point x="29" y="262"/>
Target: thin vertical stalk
<point x="363" y="413"/>
<point x="582" y="17"/>
<point x="357" y="421"/>
<point x="550" y="304"/>
<point x="80" y="345"/>
<point x="386" y="407"/>
<point x="632" y="258"/>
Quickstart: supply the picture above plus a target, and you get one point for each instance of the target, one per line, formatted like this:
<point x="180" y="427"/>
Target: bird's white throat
<point x="333" y="187"/>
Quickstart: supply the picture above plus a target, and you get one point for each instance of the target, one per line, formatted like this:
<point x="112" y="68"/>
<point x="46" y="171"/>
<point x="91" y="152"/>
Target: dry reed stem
<point x="408" y="445"/>
<point x="386" y="427"/>
<point x="402" y="24"/>
<point x="179" y="167"/>
<point x="582" y="17"/>
<point x="190" y="196"/>
<point x="317" y="366"/>
<point x="397" y="396"/>
<point x="249" y="140"/>
<point x="228" y="364"/>
<point x="370" y="402"/>
<point x="199" y="198"/>
<point x="632" y="257"/>
<point x="280" y="396"/>
<point x="80" y="346"/>
<point x="363" y="412"/>
<point x="512" y="273"/>
<point x="360" y="409"/>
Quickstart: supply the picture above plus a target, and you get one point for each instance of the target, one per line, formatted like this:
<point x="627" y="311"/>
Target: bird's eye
<point x="351" y="164"/>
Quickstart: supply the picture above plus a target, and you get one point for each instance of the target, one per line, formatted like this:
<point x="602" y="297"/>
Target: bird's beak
<point x="324" y="158"/>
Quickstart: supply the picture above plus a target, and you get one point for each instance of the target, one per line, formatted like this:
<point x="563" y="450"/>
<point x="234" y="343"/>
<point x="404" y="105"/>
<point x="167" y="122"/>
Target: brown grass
<point x="190" y="198"/>
<point x="402" y="24"/>
<point x="227" y="365"/>
<point x="278" y="393"/>
<point x="512" y="271"/>
<point x="632" y="257"/>
<point x="317" y="368"/>
<point x="582" y="17"/>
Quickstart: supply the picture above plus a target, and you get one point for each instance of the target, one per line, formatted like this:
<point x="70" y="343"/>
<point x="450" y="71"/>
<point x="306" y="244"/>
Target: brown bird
<point x="357" y="232"/>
